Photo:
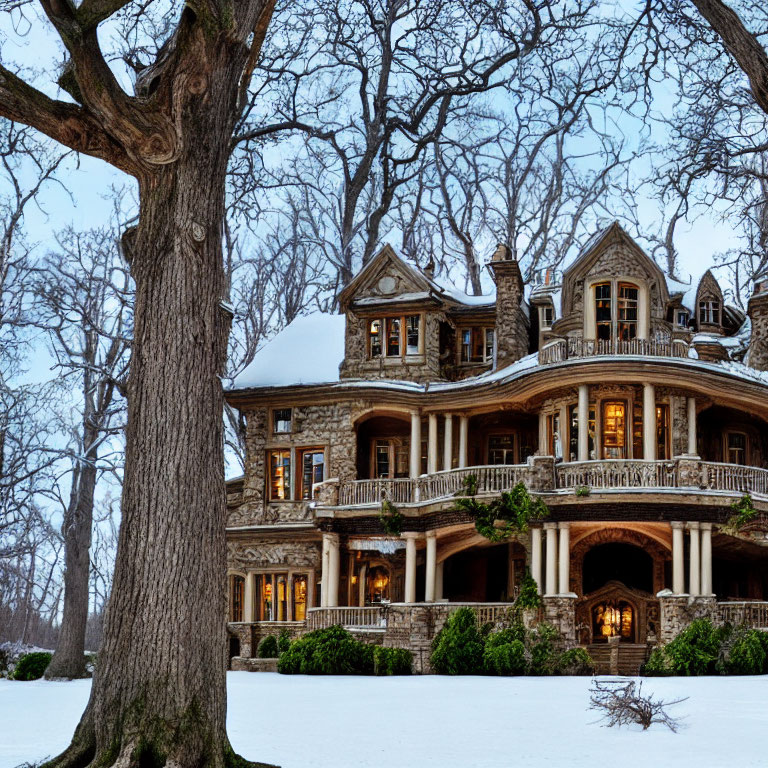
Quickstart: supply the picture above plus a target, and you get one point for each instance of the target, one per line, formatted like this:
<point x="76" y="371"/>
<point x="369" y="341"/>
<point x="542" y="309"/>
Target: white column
<point x="564" y="567"/>
<point x="550" y="587"/>
<point x="410" y="567"/>
<point x="536" y="557"/>
<point x="583" y="422"/>
<point x="324" y="572"/>
<point x="415" y="443"/>
<point x="250" y="579"/>
<point x="432" y="445"/>
<point x="431" y="577"/>
<point x="694" y="571"/>
<point x="693" y="449"/>
<point x="333" y="570"/>
<point x="463" y="439"/>
<point x="361" y="590"/>
<point x="706" y="559"/>
<point x="649" y="422"/>
<point x="565" y="433"/>
<point x="448" y="442"/>
<point x="439" y="580"/>
<point x="543" y="436"/>
<point x="678" y="572"/>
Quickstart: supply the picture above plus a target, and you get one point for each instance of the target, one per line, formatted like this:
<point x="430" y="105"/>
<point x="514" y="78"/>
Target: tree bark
<point x="159" y="689"/>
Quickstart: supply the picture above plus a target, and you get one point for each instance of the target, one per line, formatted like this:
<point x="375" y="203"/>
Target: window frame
<point x="545" y="322"/>
<point x="513" y="449"/>
<point x="275" y="430"/>
<point x="403" y="331"/>
<point x="236" y="597"/>
<point x="727" y="448"/>
<point x="300" y="454"/>
<point x="708" y="307"/>
<point x="478" y="339"/>
<point x="260" y="575"/>
<point x="287" y="474"/>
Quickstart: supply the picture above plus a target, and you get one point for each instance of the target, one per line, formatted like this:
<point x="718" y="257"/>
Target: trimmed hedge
<point x="268" y="648"/>
<point x="458" y="647"/>
<point x="703" y="649"/>
<point x="329" y="651"/>
<point x="31" y="666"/>
<point x="392" y="661"/>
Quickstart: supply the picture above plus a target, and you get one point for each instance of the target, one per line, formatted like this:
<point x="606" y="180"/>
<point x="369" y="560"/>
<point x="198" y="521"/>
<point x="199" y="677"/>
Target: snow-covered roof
<point x="307" y="351"/>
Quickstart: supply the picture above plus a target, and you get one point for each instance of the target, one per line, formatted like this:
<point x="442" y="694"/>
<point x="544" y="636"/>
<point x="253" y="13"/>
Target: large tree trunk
<point x="159" y="689"/>
<point x="69" y="660"/>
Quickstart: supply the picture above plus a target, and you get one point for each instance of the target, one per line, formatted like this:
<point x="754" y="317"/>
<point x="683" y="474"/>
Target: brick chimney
<point x="757" y="309"/>
<point x="511" y="328"/>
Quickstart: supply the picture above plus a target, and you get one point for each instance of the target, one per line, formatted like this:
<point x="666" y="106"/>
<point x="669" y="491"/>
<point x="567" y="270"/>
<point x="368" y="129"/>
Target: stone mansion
<point x="634" y="405"/>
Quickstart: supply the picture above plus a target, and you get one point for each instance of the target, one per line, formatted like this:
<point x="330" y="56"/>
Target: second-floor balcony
<point x="559" y="350"/>
<point x="543" y="475"/>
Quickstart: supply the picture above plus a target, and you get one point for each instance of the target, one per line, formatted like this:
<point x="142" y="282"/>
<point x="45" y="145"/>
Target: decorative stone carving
<point x="265" y="553"/>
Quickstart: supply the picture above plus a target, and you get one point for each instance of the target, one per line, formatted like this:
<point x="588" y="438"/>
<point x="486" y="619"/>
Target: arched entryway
<point x="617" y="572"/>
<point x="484" y="573"/>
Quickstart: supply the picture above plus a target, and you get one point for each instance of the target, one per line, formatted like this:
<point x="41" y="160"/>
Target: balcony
<point x="560" y="350"/>
<point x="542" y="475"/>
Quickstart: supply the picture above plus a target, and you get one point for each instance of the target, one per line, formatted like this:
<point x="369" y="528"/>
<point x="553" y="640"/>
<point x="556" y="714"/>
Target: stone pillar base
<point x="560" y="611"/>
<point x="676" y="612"/>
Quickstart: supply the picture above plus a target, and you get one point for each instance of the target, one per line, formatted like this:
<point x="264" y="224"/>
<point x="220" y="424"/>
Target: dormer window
<point x="394" y="336"/>
<point x="622" y="322"/>
<point x="709" y="312"/>
<point x="477" y="345"/>
<point x="547" y="317"/>
<point x="682" y="318"/>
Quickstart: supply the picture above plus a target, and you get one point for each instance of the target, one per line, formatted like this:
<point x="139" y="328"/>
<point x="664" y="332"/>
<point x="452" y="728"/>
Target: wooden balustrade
<point x="370" y="617"/>
<point x="751" y="613"/>
<point x="616" y="473"/>
<point x="566" y="349"/>
<point x="606" y="474"/>
<point x="735" y="478"/>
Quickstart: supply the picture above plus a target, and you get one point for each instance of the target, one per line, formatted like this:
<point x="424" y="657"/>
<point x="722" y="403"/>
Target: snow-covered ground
<point x="410" y="722"/>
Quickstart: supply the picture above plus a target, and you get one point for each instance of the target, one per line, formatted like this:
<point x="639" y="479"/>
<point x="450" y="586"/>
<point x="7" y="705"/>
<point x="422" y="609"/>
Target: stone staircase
<point x="630" y="658"/>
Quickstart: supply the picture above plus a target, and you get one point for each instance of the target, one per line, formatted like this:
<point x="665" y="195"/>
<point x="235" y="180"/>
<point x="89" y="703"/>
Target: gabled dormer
<point x="709" y="305"/>
<point x="614" y="291"/>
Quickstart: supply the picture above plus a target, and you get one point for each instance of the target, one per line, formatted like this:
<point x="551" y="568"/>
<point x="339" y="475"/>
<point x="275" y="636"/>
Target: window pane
<point x="281" y="600"/>
<point x="266" y="604"/>
<point x="311" y="471"/>
<point x="737" y="448"/>
<point x="662" y="431"/>
<point x="614" y="430"/>
<point x="489" y="342"/>
<point x="466" y="345"/>
<point x="374" y="338"/>
<point x="238" y="591"/>
<point x="627" y="312"/>
<point x="501" y="449"/>
<point x="402" y="459"/>
<point x="381" y="458"/>
<point x="393" y="337"/>
<point x="281" y="420"/>
<point x="299" y="597"/>
<point x="280" y="475"/>
<point x="412" y="334"/>
<point x="573" y="442"/>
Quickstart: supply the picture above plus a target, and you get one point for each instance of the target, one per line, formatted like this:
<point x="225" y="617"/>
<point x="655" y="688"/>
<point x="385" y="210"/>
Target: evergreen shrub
<point x="329" y="651"/>
<point x="268" y="648"/>
<point x="504" y="658"/>
<point x="743" y="652"/>
<point x="543" y="651"/>
<point x="392" y="661"/>
<point x="458" y="647"/>
<point x="283" y="641"/>
<point x="575" y="661"/>
<point x="31" y="666"/>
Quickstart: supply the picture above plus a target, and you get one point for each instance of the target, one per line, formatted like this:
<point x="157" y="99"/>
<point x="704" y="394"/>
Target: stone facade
<point x="758" y="341"/>
<point x="512" y="340"/>
<point x="678" y="611"/>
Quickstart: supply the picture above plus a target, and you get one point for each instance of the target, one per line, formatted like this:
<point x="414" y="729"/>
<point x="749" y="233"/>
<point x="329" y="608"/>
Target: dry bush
<point x="622" y="703"/>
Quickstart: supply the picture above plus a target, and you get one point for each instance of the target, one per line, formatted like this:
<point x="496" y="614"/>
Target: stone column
<point x="550" y="587"/>
<point x="565" y="433"/>
<point x="706" y="559"/>
<point x="250" y="579"/>
<point x="678" y="573"/>
<point x="439" y="580"/>
<point x="649" y="422"/>
<point x="432" y="445"/>
<point x="333" y="570"/>
<point x="324" y="572"/>
<point x="448" y="442"/>
<point x="564" y="566"/>
<point x="410" y="567"/>
<point x="431" y="576"/>
<point x="415" y="443"/>
<point x="694" y="572"/>
<point x="536" y="557"/>
<point x="463" y="440"/>
<point x="583" y="423"/>
<point x="543" y="436"/>
<point x="693" y="449"/>
<point x="361" y="590"/>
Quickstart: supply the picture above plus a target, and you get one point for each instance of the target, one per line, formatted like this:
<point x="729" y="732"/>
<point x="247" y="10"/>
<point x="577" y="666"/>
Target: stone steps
<point x="630" y="658"/>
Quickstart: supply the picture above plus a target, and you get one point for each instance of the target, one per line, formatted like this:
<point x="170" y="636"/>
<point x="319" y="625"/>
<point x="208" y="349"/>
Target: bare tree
<point x="153" y="696"/>
<point x="83" y="302"/>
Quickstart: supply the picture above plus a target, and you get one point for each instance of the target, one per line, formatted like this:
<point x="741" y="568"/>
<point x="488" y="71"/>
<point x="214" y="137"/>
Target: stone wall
<point x="758" y="342"/>
<point x="414" y="627"/>
<point x="512" y="340"/>
<point x="329" y="426"/>
<point x="678" y="611"/>
<point x="560" y="611"/>
<point x="419" y="368"/>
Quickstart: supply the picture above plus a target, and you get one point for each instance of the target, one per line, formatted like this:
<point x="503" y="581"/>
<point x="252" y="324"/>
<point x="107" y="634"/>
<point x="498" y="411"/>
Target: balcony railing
<point x="753" y="614"/>
<point x="543" y="475"/>
<point x="369" y="617"/>
<point x="623" y="473"/>
<point x="567" y="349"/>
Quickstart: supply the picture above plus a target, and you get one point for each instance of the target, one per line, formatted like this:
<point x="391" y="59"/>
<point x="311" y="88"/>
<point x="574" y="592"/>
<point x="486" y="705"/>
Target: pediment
<point x="386" y="276"/>
<point x="708" y="287"/>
